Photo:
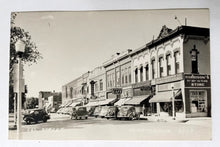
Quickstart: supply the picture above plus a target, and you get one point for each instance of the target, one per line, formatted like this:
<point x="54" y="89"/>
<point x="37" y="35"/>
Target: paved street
<point x="61" y="127"/>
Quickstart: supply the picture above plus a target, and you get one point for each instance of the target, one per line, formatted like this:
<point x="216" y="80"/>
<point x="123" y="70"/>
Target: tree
<point x="31" y="54"/>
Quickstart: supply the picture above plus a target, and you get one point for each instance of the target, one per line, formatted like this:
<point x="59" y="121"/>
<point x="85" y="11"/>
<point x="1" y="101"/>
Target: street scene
<point x="142" y="129"/>
<point x="110" y="75"/>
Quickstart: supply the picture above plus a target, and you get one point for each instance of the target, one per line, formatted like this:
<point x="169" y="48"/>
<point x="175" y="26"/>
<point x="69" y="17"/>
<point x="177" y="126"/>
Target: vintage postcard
<point x="110" y="75"/>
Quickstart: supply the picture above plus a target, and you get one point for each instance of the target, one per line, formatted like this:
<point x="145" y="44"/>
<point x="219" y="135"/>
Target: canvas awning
<point x="121" y="101"/>
<point x="164" y="96"/>
<point x="74" y="104"/>
<point x="137" y="100"/>
<point x="93" y="103"/>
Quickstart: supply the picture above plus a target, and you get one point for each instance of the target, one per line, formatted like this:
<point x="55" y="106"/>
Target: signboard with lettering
<point x="116" y="90"/>
<point x="172" y="78"/>
<point x="193" y="80"/>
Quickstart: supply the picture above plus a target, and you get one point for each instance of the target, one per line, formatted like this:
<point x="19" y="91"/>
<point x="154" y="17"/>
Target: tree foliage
<point x="31" y="54"/>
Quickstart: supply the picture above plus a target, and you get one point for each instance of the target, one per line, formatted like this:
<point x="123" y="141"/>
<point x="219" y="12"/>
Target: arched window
<point x="161" y="66"/>
<point x="141" y="74"/>
<point x="71" y="92"/>
<point x="177" y="61"/>
<point x="136" y="75"/>
<point x="153" y="68"/>
<point x="168" y="59"/>
<point x="147" y="72"/>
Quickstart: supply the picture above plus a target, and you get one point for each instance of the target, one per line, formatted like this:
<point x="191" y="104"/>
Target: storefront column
<point x="158" y="109"/>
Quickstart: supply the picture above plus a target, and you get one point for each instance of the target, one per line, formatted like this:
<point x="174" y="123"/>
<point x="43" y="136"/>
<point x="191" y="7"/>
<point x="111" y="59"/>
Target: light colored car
<point x="104" y="111"/>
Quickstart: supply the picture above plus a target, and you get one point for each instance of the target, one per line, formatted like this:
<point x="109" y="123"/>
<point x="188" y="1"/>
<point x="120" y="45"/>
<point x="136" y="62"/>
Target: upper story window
<point x="122" y="78"/>
<point x="129" y="74"/>
<point x="168" y="58"/>
<point x="141" y="74"/>
<point x="153" y="68"/>
<point x="136" y="75"/>
<point x="66" y="91"/>
<point x="161" y="66"/>
<point x="126" y="76"/>
<point x="117" y="76"/>
<point x="101" y="85"/>
<point x="147" y="72"/>
<point x="96" y="86"/>
<point x="177" y="62"/>
<point x="71" y="92"/>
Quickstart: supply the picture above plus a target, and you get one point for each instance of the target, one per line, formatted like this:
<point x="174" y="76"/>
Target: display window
<point x="198" y="101"/>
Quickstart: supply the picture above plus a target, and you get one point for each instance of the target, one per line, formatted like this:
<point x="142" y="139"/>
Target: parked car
<point x="128" y="112"/>
<point x="112" y="112"/>
<point x="79" y="113"/>
<point x="36" y="115"/>
<point x="103" y="111"/>
<point x="97" y="111"/>
<point x="91" y="110"/>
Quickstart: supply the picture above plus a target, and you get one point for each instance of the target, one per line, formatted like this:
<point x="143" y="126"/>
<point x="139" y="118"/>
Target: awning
<point x="106" y="102"/>
<point x="164" y="96"/>
<point x="74" y="104"/>
<point x="121" y="101"/>
<point x="137" y="100"/>
<point x="90" y="104"/>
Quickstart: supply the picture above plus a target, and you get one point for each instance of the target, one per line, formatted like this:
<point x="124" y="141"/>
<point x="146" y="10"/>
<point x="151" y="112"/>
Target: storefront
<point x="198" y="95"/>
<point x="168" y="88"/>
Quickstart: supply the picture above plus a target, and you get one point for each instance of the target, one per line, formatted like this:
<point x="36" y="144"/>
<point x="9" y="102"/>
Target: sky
<point x="73" y="43"/>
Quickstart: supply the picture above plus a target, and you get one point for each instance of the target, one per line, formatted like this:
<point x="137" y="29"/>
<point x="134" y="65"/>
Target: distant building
<point x="49" y="99"/>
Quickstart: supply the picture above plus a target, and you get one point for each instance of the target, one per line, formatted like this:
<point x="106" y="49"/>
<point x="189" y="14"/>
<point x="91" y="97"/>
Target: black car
<point x="36" y="115"/>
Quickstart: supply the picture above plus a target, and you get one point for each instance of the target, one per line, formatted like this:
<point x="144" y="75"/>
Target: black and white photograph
<point x="110" y="75"/>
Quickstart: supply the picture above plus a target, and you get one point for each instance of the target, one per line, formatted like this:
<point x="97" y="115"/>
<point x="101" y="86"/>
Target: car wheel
<point x="36" y="121"/>
<point x="107" y="117"/>
<point x="45" y="120"/>
<point x="28" y="122"/>
<point x="86" y="117"/>
<point x="131" y="117"/>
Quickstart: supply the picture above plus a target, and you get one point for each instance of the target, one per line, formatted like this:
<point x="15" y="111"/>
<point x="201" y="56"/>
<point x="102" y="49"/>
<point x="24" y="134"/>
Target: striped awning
<point x="121" y="101"/>
<point x="165" y="96"/>
<point x="137" y="100"/>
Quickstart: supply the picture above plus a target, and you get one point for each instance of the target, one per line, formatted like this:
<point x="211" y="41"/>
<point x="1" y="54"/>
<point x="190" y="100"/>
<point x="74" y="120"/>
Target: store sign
<point x="116" y="90"/>
<point x="141" y="84"/>
<point x="172" y="78"/>
<point x="197" y="80"/>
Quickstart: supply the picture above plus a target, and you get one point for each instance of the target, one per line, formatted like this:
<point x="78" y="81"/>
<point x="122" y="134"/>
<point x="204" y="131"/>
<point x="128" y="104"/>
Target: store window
<point x="177" y="62"/>
<point x="161" y="66"/>
<point x="168" y="58"/>
<point x="198" y="101"/>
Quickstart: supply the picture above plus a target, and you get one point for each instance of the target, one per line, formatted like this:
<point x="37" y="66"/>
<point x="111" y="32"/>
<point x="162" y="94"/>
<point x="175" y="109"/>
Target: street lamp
<point x="173" y="101"/>
<point x="19" y="81"/>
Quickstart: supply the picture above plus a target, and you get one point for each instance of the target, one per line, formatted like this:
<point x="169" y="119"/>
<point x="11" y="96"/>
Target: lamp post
<point x="19" y="81"/>
<point x="173" y="101"/>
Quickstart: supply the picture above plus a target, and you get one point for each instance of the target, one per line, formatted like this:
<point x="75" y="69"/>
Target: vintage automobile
<point x="36" y="115"/>
<point x="97" y="111"/>
<point x="112" y="112"/>
<point x="79" y="113"/>
<point x="103" y="111"/>
<point x="128" y="112"/>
